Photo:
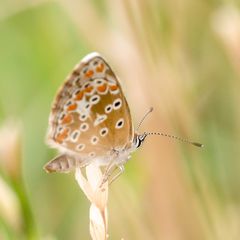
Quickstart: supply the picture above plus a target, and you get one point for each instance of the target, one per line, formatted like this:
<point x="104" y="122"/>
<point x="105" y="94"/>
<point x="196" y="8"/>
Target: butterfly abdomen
<point x="61" y="163"/>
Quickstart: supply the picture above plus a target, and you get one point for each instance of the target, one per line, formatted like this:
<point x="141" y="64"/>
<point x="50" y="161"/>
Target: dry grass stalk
<point x="10" y="209"/>
<point x="226" y="23"/>
<point x="98" y="198"/>
<point x="10" y="148"/>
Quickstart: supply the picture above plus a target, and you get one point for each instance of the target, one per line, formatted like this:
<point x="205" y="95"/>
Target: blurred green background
<point x="182" y="58"/>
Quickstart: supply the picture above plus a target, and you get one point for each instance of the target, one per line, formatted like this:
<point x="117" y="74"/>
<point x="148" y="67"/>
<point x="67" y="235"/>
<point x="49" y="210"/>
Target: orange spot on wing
<point x="102" y="88"/>
<point x="113" y="87"/>
<point x="89" y="89"/>
<point x="100" y="67"/>
<point x="72" y="107"/>
<point x="67" y="119"/>
<point x="79" y="96"/>
<point x="61" y="136"/>
<point x="89" y="73"/>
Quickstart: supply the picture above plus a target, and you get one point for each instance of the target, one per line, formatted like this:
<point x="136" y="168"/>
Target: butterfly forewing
<point x="90" y="116"/>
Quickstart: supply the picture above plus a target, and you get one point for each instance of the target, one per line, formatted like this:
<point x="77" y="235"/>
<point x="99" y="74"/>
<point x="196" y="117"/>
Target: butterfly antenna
<point x="177" y="138"/>
<point x="144" y="117"/>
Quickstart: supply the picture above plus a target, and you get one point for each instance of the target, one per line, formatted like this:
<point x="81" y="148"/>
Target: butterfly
<point x="90" y="120"/>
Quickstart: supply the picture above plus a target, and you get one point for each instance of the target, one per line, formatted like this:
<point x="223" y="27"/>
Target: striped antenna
<point x="144" y="117"/>
<point x="177" y="138"/>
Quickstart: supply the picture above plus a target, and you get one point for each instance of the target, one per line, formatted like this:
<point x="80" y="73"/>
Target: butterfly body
<point x="68" y="162"/>
<point x="90" y="119"/>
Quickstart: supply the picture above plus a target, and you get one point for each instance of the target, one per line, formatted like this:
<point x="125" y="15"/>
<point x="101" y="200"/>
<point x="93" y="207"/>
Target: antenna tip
<point x="197" y="144"/>
<point x="151" y="109"/>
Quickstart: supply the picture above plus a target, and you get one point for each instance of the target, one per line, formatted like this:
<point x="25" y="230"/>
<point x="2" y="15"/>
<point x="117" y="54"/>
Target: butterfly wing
<point x="90" y="116"/>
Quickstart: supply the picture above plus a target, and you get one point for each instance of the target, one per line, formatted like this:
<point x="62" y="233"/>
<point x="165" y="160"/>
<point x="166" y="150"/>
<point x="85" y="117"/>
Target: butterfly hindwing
<point x="90" y="115"/>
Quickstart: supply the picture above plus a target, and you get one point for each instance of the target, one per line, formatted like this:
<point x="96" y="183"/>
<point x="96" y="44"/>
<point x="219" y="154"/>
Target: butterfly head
<point x="139" y="139"/>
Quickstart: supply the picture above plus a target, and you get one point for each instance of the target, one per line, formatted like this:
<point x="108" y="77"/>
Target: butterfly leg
<point x="108" y="172"/>
<point x="121" y="170"/>
<point x="110" y="168"/>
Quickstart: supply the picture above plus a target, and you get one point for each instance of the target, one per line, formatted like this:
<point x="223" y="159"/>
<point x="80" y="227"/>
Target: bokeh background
<point x="180" y="56"/>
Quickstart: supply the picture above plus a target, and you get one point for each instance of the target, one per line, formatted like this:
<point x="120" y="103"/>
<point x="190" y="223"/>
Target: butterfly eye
<point x="138" y="142"/>
<point x="141" y="138"/>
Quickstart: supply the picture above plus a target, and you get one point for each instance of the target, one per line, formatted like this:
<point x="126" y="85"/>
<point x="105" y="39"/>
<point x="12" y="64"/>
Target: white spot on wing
<point x="99" y="81"/>
<point x="119" y="123"/>
<point x="80" y="146"/>
<point x="76" y="91"/>
<point x="95" y="99"/>
<point x="68" y="103"/>
<point x="74" y="136"/>
<point x="94" y="140"/>
<point x="59" y="128"/>
<point x="103" y="132"/>
<point x="111" y="80"/>
<point x="117" y="103"/>
<point x="108" y="108"/>
<point x="92" y="154"/>
<point x="84" y="70"/>
<point x="84" y="107"/>
<point x="99" y="119"/>
<point x="84" y="127"/>
<point x="61" y="116"/>
<point x="83" y="117"/>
